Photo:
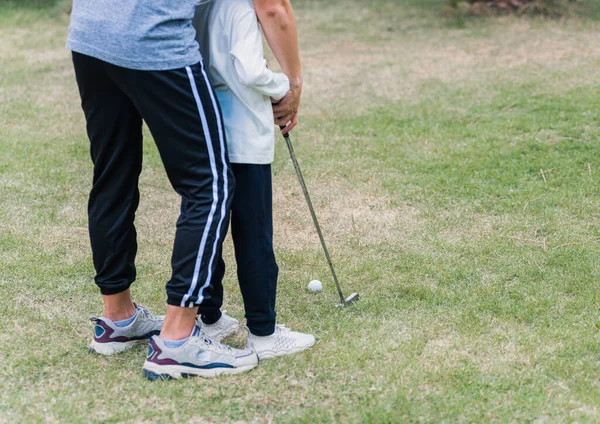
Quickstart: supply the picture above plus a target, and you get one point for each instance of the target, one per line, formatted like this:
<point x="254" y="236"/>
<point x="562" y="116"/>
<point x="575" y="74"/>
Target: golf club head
<point x="349" y="300"/>
<point x="352" y="298"/>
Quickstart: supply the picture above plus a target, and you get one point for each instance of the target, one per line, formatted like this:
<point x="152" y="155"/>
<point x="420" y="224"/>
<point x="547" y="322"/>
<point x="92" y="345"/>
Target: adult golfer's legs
<point x="114" y="128"/>
<point x="183" y="116"/>
<point x="184" y="119"/>
<point x="115" y="132"/>
<point x="210" y="308"/>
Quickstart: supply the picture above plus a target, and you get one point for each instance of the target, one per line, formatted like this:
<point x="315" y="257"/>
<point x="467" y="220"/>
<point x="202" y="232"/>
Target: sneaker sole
<point x="270" y="354"/>
<point x="155" y="372"/>
<point x="113" y="348"/>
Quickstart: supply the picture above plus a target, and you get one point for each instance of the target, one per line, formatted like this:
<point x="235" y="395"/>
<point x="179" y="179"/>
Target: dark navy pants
<point x="183" y="116"/>
<point x="252" y="233"/>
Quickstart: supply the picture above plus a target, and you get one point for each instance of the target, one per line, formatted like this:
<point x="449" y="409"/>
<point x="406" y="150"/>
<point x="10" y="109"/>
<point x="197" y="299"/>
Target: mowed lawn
<point x="455" y="169"/>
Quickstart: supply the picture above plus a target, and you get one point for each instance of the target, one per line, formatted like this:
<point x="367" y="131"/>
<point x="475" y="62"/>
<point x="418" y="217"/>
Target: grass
<point x="460" y="11"/>
<point x="423" y="146"/>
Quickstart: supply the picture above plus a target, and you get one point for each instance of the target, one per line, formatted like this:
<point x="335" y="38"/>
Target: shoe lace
<point x="219" y="347"/>
<point x="226" y="320"/>
<point x="146" y="314"/>
<point x="282" y="328"/>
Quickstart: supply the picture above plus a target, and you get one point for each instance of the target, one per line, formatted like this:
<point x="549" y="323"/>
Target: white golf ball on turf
<point x="315" y="286"/>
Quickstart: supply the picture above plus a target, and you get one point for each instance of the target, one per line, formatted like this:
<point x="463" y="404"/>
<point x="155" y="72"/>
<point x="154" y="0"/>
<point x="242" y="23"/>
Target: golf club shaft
<point x="314" y="215"/>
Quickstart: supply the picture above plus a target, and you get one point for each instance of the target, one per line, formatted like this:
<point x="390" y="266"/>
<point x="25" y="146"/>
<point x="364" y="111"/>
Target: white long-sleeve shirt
<point x="243" y="83"/>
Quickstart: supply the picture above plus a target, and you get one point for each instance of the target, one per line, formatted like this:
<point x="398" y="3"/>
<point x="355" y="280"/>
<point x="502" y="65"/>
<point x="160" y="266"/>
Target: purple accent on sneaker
<point x="108" y="331"/>
<point x="153" y="353"/>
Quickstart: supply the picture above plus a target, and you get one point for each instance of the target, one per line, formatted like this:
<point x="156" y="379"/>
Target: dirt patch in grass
<point x="343" y="212"/>
<point x="480" y="226"/>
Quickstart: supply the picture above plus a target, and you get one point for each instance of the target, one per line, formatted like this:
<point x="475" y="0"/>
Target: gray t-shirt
<point x="149" y="35"/>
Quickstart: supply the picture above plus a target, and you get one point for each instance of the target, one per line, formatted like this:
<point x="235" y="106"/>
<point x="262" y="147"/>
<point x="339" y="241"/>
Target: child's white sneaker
<point x="282" y="342"/>
<point x="225" y="326"/>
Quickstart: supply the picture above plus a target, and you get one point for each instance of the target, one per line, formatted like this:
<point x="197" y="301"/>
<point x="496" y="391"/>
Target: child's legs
<point x="252" y="231"/>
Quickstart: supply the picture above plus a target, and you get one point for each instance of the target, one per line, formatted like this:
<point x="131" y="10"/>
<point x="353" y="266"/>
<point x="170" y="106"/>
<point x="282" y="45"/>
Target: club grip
<point x="286" y="135"/>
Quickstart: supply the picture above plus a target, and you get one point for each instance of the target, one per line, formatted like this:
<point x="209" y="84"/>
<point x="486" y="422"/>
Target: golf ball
<point x="315" y="286"/>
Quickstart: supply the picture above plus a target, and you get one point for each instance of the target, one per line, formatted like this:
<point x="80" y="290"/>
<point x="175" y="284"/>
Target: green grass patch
<point x="456" y="173"/>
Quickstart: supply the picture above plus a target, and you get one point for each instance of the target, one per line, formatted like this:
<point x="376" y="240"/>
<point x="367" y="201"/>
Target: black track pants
<point x="252" y="232"/>
<point x="184" y="118"/>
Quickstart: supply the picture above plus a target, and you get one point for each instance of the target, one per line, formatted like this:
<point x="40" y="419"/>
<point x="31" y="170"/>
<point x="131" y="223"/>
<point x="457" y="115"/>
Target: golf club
<point x="354" y="296"/>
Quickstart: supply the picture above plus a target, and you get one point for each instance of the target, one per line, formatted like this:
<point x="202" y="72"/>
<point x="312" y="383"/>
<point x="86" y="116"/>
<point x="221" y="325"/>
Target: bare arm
<point x="279" y="26"/>
<point x="249" y="64"/>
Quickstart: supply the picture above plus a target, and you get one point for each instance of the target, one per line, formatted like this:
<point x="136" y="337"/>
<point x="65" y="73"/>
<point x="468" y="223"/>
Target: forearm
<point x="279" y="26"/>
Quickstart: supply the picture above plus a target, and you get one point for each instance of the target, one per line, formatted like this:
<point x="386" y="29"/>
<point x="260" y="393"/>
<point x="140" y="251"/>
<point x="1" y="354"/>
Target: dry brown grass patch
<point x="342" y="212"/>
<point x="356" y="75"/>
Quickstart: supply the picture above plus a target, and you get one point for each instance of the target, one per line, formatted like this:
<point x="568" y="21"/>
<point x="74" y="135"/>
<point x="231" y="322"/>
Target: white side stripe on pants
<point x="225" y="186"/>
<point x="215" y="188"/>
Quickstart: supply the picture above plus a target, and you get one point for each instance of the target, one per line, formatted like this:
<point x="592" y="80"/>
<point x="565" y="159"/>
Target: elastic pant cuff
<point x="210" y="318"/>
<point x="261" y="329"/>
<point x="109" y="290"/>
<point x="176" y="301"/>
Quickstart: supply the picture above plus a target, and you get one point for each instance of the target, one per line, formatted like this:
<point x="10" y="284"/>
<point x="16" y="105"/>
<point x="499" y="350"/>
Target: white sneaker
<point x="282" y="342"/>
<point x="225" y="326"/>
